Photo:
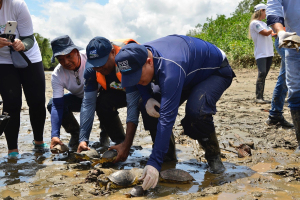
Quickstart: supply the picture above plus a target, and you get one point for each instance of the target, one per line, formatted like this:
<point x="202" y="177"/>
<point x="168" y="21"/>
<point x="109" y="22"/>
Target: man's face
<point x="147" y="72"/>
<point x="70" y="61"/>
<point x="109" y="65"/>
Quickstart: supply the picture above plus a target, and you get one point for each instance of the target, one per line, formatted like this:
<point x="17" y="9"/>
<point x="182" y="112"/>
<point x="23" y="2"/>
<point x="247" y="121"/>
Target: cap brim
<point x="131" y="79"/>
<point x="98" y="62"/>
<point x="65" y="52"/>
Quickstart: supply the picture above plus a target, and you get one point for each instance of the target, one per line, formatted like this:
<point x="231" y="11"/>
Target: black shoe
<point x="280" y="121"/>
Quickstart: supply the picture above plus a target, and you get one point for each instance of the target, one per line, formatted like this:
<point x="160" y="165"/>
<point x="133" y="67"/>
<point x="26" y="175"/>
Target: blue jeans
<point x="292" y="62"/>
<point x="280" y="89"/>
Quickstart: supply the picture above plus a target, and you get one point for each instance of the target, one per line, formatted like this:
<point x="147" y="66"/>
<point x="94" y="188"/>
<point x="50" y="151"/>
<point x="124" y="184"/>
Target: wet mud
<point x="270" y="172"/>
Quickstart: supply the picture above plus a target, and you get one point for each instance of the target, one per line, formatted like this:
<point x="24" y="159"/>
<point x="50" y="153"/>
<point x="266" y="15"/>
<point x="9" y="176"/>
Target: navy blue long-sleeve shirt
<point x="180" y="62"/>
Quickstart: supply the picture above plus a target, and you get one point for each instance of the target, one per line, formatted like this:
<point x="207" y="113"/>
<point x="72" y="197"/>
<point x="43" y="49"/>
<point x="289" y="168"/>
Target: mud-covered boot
<point x="212" y="153"/>
<point x="296" y="120"/>
<point x="171" y="154"/>
<point x="71" y="126"/>
<point x="104" y="140"/>
<point x="114" y="129"/>
<point x="260" y="86"/>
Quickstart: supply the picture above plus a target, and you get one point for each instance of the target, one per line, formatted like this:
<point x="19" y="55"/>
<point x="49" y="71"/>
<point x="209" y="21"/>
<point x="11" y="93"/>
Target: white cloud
<point x="143" y="20"/>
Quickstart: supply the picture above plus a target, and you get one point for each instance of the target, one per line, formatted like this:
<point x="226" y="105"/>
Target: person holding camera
<point x="30" y="78"/>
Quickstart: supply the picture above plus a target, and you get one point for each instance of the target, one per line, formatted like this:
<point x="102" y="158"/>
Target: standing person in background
<point x="279" y="93"/>
<point x="66" y="75"/>
<point x="12" y="79"/>
<point x="286" y="13"/>
<point x="263" y="48"/>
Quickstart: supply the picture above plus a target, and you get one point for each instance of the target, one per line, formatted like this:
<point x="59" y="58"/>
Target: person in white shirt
<point x="66" y="75"/>
<point x="263" y="48"/>
<point x="30" y="78"/>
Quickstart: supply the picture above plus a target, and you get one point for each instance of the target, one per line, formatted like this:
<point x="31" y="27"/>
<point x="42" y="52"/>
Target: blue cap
<point x="130" y="61"/>
<point x="97" y="52"/>
<point x="62" y="45"/>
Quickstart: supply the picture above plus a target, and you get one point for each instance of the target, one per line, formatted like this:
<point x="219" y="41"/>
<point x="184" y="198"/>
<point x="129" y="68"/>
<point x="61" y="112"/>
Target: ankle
<point x="13" y="150"/>
<point x="38" y="142"/>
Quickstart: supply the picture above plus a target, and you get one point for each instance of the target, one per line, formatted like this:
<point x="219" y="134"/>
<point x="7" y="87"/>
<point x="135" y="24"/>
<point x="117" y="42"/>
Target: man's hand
<point x="150" y="176"/>
<point x="150" y="107"/>
<point x="55" y="141"/>
<point x="282" y="35"/>
<point x="82" y="147"/>
<point x="4" y="42"/>
<point x="123" y="152"/>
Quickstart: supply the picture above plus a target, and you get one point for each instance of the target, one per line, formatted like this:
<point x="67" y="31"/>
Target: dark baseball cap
<point x="62" y="45"/>
<point x="130" y="61"/>
<point x="97" y="52"/>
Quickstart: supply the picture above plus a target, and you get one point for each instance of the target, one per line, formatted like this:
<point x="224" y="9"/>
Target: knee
<point x="49" y="106"/>
<point x="261" y="75"/>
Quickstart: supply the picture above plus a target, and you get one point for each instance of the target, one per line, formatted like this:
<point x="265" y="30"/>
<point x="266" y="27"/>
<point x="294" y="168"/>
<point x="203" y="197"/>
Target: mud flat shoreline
<point x="272" y="172"/>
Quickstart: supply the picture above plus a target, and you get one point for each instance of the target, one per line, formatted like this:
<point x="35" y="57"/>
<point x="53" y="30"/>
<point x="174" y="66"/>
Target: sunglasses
<point x="78" y="81"/>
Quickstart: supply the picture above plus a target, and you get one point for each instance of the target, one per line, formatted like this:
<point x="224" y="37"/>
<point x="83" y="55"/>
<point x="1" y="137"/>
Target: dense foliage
<point x="231" y="35"/>
<point x="46" y="52"/>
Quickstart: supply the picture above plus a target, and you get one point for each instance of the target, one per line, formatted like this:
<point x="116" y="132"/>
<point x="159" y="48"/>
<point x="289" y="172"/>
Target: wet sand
<point x="270" y="173"/>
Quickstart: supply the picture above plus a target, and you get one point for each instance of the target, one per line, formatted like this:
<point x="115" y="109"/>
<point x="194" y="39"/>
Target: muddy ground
<point x="270" y="173"/>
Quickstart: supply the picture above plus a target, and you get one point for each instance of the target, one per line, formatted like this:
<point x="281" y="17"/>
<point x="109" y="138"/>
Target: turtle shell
<point x="137" y="191"/>
<point x="293" y="38"/>
<point x="88" y="155"/>
<point x="122" y="178"/>
<point x="109" y="156"/>
<point x="175" y="175"/>
<point x="59" y="148"/>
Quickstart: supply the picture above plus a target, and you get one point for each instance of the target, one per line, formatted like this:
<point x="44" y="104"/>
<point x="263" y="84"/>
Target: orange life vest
<point x="117" y="44"/>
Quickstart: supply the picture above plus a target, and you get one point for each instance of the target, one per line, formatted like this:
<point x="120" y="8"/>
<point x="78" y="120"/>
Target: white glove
<point x="150" y="107"/>
<point x="150" y="176"/>
<point x="282" y="35"/>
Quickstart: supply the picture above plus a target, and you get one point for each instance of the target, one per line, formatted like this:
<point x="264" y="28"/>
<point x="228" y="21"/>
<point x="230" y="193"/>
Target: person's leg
<point x="108" y="103"/>
<point x="11" y="93"/>
<point x="33" y="82"/>
<point x="198" y="121"/>
<point x="292" y="61"/>
<point x="279" y="94"/>
<point x="260" y="82"/>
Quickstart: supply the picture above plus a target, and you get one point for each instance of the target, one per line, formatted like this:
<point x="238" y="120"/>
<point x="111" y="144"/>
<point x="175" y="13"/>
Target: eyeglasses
<point x="78" y="81"/>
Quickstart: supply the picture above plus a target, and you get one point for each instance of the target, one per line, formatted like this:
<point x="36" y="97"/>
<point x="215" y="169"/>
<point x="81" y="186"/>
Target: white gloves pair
<point x="150" y="176"/>
<point x="282" y="35"/>
<point x="150" y="107"/>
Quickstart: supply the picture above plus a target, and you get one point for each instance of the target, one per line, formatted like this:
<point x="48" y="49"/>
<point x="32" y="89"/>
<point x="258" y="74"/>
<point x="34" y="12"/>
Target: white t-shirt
<point x="16" y="10"/>
<point x="263" y="45"/>
<point x="64" y="78"/>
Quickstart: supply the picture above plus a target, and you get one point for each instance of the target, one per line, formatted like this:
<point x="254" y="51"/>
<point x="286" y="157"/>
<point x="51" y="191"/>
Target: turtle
<point x="136" y="191"/>
<point x="93" y="156"/>
<point x="119" y="179"/>
<point x="59" y="149"/>
<point x="291" y="42"/>
<point x="89" y="155"/>
<point x="175" y="176"/>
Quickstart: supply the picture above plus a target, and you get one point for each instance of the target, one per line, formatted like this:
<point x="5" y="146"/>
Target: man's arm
<point x="132" y="97"/>
<point x="88" y="107"/>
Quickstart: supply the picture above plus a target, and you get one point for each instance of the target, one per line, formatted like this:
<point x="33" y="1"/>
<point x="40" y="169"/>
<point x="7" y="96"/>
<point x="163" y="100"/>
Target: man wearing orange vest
<point x="102" y="69"/>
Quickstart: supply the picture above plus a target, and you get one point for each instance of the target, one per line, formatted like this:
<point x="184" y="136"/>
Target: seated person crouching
<point x="66" y="75"/>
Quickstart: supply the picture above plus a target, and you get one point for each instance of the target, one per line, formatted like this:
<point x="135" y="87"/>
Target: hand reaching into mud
<point x="123" y="152"/>
<point x="55" y="141"/>
<point x="82" y="147"/>
<point x="150" y="176"/>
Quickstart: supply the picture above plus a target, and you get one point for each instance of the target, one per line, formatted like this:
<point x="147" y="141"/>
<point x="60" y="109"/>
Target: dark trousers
<point x="108" y="103"/>
<point x="201" y="105"/>
<point x="263" y="66"/>
<point x="32" y="80"/>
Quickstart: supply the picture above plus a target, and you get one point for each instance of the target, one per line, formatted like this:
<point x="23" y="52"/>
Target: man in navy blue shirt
<point x="183" y="68"/>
